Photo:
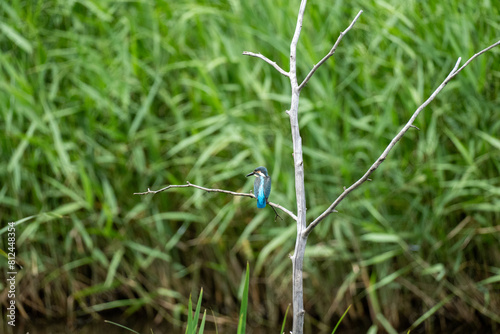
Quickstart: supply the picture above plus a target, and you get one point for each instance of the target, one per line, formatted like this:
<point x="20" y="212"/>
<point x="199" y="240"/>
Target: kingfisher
<point x="261" y="186"/>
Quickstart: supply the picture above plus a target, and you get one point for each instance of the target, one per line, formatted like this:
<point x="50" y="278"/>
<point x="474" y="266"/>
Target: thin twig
<point x="275" y="212"/>
<point x="382" y="157"/>
<point x="332" y="51"/>
<point x="210" y="190"/>
<point x="474" y="56"/>
<point x="267" y="60"/>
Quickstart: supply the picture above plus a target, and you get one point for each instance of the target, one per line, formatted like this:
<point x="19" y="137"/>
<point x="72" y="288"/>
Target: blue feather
<point x="261" y="199"/>
<point x="259" y="191"/>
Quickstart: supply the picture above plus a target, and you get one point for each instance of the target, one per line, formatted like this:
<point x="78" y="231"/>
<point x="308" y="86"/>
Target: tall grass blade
<point x="284" y="320"/>
<point x="197" y="312"/>
<point x="431" y="311"/>
<point x="122" y="326"/>
<point x="192" y="323"/>
<point x="244" y="304"/>
<point x="340" y="320"/>
<point x="202" y="325"/>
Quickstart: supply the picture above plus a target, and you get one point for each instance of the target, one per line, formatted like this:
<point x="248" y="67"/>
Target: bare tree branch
<point x="300" y="243"/>
<point x="267" y="60"/>
<point x="393" y="142"/>
<point x="474" y="56"/>
<point x="188" y="184"/>
<point x="300" y="191"/>
<point x="332" y="51"/>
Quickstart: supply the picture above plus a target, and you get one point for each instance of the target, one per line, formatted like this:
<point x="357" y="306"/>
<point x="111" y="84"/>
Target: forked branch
<point x="210" y="190"/>
<point x="393" y="142"/>
<point x="332" y="51"/>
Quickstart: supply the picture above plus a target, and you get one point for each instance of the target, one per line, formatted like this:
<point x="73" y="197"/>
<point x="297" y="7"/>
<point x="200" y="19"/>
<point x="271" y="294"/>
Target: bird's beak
<point x="252" y="173"/>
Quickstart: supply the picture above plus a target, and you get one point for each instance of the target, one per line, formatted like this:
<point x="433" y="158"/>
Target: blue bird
<point x="261" y="186"/>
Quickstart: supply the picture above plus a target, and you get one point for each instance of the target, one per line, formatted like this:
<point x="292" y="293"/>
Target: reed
<point x="99" y="100"/>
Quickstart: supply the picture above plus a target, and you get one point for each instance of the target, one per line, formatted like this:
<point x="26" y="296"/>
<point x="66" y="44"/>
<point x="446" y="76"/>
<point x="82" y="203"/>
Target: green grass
<point x="192" y="323"/>
<point x="99" y="100"/>
<point x="193" y="318"/>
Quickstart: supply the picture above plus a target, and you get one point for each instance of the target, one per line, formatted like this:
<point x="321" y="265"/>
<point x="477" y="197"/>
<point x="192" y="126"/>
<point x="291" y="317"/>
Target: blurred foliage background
<point x="101" y="99"/>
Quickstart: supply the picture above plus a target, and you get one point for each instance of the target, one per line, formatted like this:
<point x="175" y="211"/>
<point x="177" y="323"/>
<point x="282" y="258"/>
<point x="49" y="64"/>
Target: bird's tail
<point x="261" y="202"/>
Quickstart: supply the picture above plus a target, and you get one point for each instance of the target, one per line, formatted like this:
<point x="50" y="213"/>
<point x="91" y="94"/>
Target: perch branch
<point x="267" y="60"/>
<point x="188" y="184"/>
<point x="393" y="142"/>
<point x="332" y="51"/>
